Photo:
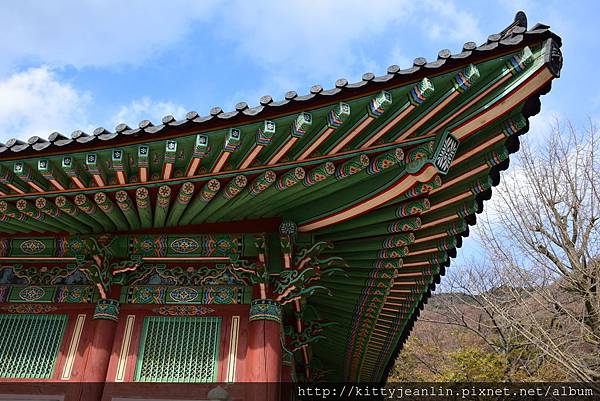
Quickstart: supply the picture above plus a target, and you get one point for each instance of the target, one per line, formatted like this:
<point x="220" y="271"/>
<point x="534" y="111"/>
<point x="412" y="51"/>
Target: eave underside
<point x="367" y="182"/>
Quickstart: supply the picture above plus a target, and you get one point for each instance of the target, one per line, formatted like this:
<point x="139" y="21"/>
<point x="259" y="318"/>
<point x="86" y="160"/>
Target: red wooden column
<point x="105" y="319"/>
<point x="263" y="363"/>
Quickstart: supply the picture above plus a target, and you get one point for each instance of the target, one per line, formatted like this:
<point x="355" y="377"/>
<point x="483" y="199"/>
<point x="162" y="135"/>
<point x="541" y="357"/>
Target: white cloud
<point x="297" y="43"/>
<point x="35" y="102"/>
<point x="317" y="36"/>
<point x="146" y="109"/>
<point x="93" y="33"/>
<point x="398" y="57"/>
<point x="315" y="40"/>
<point x="444" y="20"/>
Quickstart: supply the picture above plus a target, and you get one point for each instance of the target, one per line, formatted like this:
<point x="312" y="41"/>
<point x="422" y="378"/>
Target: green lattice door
<point x="29" y="344"/>
<point x="179" y="349"/>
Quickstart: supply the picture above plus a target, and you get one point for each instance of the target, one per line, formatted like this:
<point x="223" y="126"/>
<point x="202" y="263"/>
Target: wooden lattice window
<point x="29" y="344"/>
<point x="179" y="349"/>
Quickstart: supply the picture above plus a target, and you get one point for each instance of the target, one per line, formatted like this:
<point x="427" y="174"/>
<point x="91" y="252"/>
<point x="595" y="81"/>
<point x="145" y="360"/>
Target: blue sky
<point x="68" y="65"/>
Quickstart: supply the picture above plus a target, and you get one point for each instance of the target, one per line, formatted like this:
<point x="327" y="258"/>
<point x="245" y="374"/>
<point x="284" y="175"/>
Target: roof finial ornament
<point x="521" y="19"/>
<point x="518" y="25"/>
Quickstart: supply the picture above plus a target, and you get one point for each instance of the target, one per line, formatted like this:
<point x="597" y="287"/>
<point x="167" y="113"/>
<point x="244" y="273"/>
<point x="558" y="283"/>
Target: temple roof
<point x="390" y="171"/>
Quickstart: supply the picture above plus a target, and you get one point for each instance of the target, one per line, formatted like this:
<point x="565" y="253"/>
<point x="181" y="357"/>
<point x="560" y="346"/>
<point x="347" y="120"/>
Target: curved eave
<point x="530" y="108"/>
<point x="448" y="199"/>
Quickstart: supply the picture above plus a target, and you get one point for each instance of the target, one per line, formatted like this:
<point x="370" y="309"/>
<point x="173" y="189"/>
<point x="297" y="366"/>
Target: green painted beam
<point x="30" y="176"/>
<point x="374" y="266"/>
<point x="115" y="215"/>
<point x="7" y="227"/>
<point x="183" y="199"/>
<point x="231" y="190"/>
<point x="385" y="214"/>
<point x="206" y="194"/>
<point x="443" y="244"/>
<point x="373" y="243"/>
<point x="92" y="211"/>
<point x="347" y="174"/>
<point x="144" y="207"/>
<point x="383" y="253"/>
<point x="257" y="187"/>
<point x="356" y="288"/>
<point x="394" y="226"/>
<point x="50" y="209"/>
<point x="70" y="209"/>
<point x="48" y="170"/>
<point x="5" y="189"/>
<point x="73" y="169"/>
<point x="30" y="210"/>
<point x="8" y="178"/>
<point x="315" y="176"/>
<point x="128" y="208"/>
<point x="19" y="219"/>
<point x="161" y="209"/>
<point x="264" y="200"/>
<point x="366" y="272"/>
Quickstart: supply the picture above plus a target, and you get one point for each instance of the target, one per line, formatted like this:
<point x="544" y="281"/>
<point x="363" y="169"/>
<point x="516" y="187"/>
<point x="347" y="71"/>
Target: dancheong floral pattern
<point x="184" y="294"/>
<point x="29" y="308"/>
<point x="31" y="293"/>
<point x="197" y="245"/>
<point x="32" y="246"/>
<point x="158" y="294"/>
<point x="183" y="310"/>
<point x="146" y="245"/>
<point x="146" y="295"/>
<point x="184" y="245"/>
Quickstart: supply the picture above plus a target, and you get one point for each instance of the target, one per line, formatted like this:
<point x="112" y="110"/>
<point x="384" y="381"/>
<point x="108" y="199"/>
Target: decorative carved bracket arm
<point x="312" y="332"/>
<point x="308" y="268"/>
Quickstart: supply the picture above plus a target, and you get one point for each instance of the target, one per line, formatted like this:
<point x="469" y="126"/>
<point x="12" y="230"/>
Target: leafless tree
<point x="538" y="286"/>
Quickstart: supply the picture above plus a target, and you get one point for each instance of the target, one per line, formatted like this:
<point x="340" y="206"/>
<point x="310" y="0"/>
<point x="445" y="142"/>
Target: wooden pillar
<point x="105" y="319"/>
<point x="263" y="363"/>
